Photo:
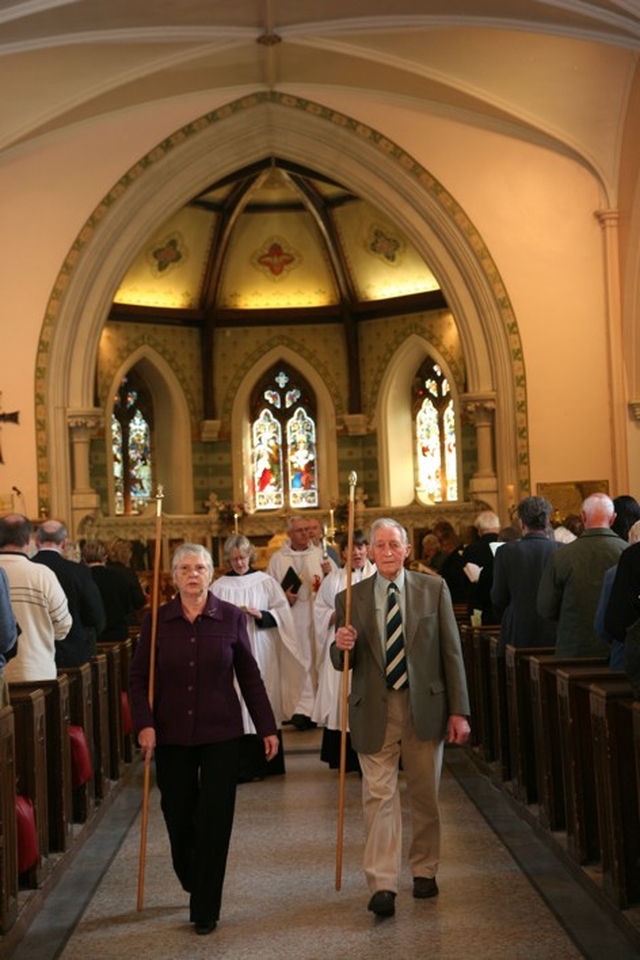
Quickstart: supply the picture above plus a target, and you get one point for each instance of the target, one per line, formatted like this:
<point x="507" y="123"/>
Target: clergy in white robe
<point x="327" y="709"/>
<point x="274" y="643"/>
<point x="300" y="558"/>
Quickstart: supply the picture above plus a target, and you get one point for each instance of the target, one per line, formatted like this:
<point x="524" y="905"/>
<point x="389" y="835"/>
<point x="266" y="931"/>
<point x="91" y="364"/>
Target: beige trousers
<point x="422" y="766"/>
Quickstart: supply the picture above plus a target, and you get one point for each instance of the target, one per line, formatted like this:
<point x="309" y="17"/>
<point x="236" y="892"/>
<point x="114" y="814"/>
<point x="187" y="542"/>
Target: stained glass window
<point x="301" y="446"/>
<point x="267" y="461"/>
<point x="283" y="442"/>
<point x="131" y="425"/>
<point x="435" y="434"/>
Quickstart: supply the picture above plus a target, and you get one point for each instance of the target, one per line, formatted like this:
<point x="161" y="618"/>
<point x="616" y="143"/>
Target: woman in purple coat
<point x="195" y="725"/>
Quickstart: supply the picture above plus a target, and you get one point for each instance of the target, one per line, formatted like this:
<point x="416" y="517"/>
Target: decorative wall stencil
<point x="7" y="418"/>
<point x="382" y="243"/>
<point x="167" y="254"/>
<point x="275" y="259"/>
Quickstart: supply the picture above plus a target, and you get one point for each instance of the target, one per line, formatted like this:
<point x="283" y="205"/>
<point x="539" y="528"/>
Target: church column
<point x="84" y="498"/>
<point x="480" y="411"/>
<point x="608" y="220"/>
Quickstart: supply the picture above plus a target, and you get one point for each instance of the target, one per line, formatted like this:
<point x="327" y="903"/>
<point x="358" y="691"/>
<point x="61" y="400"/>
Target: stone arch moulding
<point x="172" y="434"/>
<point x="395" y="423"/>
<point x="273" y="124"/>
<point x="326" y="425"/>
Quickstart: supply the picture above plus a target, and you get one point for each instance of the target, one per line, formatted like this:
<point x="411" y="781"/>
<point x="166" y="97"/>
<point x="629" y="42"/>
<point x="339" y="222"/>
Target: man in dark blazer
<point x="83" y="597"/>
<point x="408" y="720"/>
<point x="516" y="577"/>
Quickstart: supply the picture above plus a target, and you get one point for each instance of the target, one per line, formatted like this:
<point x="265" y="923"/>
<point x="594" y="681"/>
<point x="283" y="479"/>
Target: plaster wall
<point x="534" y="210"/>
<point x="536" y="213"/>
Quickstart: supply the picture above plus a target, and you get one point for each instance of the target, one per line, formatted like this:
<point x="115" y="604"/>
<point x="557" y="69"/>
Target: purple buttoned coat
<point x="195" y="699"/>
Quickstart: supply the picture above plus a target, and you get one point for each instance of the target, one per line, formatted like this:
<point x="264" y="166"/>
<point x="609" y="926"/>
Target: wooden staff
<point x="353" y="479"/>
<point x="155" y="593"/>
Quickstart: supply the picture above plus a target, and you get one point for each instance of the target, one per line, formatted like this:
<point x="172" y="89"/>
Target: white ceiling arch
<point x="553" y="70"/>
<point x="214" y="146"/>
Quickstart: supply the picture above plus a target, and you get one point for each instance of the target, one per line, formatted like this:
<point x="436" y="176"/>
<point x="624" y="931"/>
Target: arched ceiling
<point x="271" y="240"/>
<point x="553" y="70"/>
<point x="556" y="72"/>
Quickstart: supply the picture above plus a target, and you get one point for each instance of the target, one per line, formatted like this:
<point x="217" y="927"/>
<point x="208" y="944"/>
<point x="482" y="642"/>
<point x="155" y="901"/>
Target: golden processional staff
<point x="155" y="593"/>
<point x="353" y="479"/>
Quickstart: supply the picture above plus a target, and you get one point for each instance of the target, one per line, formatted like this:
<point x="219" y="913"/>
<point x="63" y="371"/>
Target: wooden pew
<point x="520" y="714"/>
<point x="81" y="715"/>
<point x="499" y="711"/>
<point x="616" y="791"/>
<point x="58" y="757"/>
<point x="543" y="670"/>
<point x="8" y="838"/>
<point x="101" y="732"/>
<point x="485" y="734"/>
<point x="31" y="771"/>
<point x="126" y="656"/>
<point x="461" y="613"/>
<point x="578" y="771"/>
<point x="466" y="640"/>
<point x="114" y="674"/>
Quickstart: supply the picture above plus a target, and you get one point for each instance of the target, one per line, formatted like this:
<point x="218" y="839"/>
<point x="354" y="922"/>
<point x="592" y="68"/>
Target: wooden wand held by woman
<point x="155" y="599"/>
<point x="353" y="479"/>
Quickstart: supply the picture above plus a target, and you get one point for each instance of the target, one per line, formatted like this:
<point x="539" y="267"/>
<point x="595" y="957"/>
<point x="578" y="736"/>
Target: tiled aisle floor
<point x="280" y="899"/>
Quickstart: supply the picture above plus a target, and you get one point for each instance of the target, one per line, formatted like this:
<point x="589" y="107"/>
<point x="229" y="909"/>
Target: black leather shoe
<point x="383" y="903"/>
<point x="204" y="928"/>
<point x="425" y="887"/>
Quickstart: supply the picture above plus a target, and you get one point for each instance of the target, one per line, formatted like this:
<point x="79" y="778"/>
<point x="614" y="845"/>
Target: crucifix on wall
<point x="7" y="418"/>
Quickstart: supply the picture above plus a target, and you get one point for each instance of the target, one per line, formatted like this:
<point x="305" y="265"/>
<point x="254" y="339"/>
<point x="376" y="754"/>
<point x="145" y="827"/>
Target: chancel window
<point x="434" y="420"/>
<point x="283" y="442"/>
<point x="131" y="431"/>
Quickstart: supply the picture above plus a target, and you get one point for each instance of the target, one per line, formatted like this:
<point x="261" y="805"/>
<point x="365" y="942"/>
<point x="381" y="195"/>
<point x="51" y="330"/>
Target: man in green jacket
<point x="572" y="578"/>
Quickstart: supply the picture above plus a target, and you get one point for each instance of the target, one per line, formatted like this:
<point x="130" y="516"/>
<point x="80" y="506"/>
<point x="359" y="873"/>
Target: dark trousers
<point x="198" y="791"/>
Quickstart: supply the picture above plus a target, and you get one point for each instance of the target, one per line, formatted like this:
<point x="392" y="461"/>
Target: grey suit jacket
<point x="437" y="681"/>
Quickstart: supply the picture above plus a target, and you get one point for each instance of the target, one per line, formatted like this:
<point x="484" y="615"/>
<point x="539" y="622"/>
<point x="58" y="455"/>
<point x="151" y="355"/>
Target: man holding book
<point x="299" y="568"/>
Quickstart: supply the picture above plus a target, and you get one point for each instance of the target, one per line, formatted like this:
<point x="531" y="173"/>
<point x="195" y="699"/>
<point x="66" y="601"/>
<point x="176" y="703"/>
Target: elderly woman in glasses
<point x="194" y="723"/>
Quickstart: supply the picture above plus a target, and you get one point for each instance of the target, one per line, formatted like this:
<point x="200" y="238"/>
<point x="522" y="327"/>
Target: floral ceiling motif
<point x="167" y="254"/>
<point x="275" y="259"/>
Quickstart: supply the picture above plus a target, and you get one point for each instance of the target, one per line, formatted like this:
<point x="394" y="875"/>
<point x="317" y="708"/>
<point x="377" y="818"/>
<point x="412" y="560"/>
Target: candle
<point x="510" y="492"/>
<point x="331" y="524"/>
<point x="235" y="522"/>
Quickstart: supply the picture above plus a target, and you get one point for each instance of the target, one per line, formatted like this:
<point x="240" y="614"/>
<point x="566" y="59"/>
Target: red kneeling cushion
<point x="127" y="723"/>
<point x="28" y="850"/>
<point x="81" y="766"/>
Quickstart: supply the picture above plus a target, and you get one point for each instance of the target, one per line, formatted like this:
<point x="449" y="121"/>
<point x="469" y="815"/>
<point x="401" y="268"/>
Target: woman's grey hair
<point x="191" y="550"/>
<point x="239" y="542"/>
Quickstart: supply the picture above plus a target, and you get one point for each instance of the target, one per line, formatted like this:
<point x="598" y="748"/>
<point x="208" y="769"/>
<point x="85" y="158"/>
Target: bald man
<point x="572" y="580"/>
<point x="85" y="603"/>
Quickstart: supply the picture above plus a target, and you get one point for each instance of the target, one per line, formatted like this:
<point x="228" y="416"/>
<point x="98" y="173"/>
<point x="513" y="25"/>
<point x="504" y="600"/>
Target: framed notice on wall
<point x="567" y="497"/>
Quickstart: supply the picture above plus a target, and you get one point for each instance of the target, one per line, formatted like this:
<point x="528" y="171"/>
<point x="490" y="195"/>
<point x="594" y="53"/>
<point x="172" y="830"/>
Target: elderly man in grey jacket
<point x="408" y="693"/>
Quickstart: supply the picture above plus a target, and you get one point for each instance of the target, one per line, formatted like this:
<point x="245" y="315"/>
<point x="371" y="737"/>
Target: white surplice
<point x="308" y="565"/>
<point x="283" y="663"/>
<point x="327" y="709"/>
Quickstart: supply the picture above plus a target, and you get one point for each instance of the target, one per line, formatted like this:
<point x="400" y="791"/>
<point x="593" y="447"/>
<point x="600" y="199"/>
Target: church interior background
<point x="250" y="248"/>
<point x="252" y="252"/>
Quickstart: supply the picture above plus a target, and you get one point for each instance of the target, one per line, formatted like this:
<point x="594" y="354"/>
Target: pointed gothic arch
<point x="172" y="436"/>
<point x="208" y="149"/>
<point x="394" y="418"/>
<point x="326" y="426"/>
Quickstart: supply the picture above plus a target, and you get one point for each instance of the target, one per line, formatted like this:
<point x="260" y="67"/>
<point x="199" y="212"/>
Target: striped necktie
<point x="397" y="677"/>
